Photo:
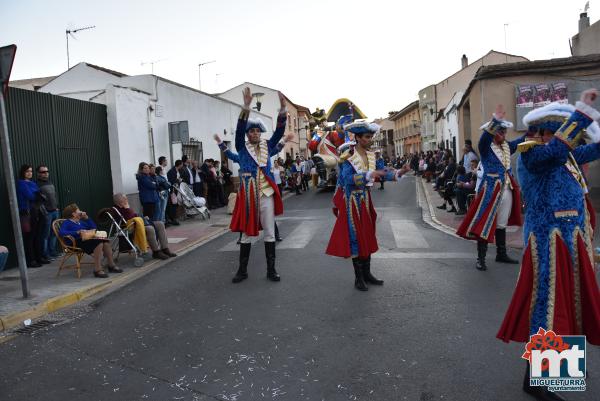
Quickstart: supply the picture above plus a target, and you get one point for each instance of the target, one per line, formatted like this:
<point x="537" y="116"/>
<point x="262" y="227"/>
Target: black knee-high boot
<point x="501" y="255"/>
<point x="242" y="272"/>
<point x="369" y="278"/>
<point x="481" y="252"/>
<point x="540" y="393"/>
<point x="270" y="254"/>
<point x="359" y="280"/>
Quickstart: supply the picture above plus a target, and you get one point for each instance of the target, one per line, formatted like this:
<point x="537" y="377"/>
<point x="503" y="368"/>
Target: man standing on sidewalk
<point x="48" y="191"/>
<point x="498" y="202"/>
<point x="258" y="199"/>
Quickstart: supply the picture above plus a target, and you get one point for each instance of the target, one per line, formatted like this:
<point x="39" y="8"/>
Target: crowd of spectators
<point x="454" y="182"/>
<point x="157" y="186"/>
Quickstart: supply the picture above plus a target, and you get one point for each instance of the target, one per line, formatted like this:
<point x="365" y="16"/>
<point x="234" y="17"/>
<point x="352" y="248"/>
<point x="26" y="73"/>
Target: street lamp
<point x="199" y="72"/>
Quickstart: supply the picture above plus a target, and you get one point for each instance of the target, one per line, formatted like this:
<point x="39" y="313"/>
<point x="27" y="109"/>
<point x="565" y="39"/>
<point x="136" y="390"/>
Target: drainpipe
<point x="149" y="111"/>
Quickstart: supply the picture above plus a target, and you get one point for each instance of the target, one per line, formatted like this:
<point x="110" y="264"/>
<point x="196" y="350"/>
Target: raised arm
<point x="234" y="157"/>
<point x="515" y="143"/>
<point x="240" y="131"/>
<point x="586" y="153"/>
<point x="497" y="123"/>
<point x="280" y="145"/>
<point x="281" y="122"/>
<point x="544" y="157"/>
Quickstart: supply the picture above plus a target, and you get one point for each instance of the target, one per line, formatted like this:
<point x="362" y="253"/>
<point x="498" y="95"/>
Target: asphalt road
<point x="185" y="332"/>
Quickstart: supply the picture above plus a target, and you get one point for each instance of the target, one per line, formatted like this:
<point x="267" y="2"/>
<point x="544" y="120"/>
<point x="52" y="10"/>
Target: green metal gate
<point x="71" y="137"/>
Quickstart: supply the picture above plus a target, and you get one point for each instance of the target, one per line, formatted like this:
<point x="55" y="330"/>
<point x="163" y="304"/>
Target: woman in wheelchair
<point x="146" y="233"/>
<point x="82" y="230"/>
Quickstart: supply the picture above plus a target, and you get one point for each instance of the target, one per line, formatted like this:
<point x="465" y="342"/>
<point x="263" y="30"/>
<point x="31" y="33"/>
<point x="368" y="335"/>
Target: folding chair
<point x="69" y="250"/>
<point x="119" y="234"/>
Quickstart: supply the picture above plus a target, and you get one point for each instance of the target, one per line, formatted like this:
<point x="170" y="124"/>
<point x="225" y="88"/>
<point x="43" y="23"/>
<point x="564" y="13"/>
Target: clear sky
<point x="377" y="53"/>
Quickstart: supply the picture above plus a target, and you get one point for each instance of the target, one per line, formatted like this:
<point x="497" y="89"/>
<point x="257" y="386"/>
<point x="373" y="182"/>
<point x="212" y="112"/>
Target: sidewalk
<point x="50" y="293"/>
<point x="449" y="222"/>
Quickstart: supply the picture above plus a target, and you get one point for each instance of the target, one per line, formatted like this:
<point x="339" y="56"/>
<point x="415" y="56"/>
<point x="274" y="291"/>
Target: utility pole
<point x="505" y="41"/>
<point x="199" y="72"/>
<point x="71" y="32"/>
<point x="152" y="63"/>
<point x="7" y="56"/>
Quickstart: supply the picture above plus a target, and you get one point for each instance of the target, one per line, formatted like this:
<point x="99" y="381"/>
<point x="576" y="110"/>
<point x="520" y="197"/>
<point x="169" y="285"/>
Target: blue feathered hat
<point x="255" y="123"/>
<point x="553" y="115"/>
<point x="362" y="127"/>
<point x="343" y="120"/>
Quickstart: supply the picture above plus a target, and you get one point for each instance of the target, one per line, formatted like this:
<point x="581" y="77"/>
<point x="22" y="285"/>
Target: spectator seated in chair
<point x="445" y="184"/>
<point x="146" y="234"/>
<point x="465" y="186"/>
<point x="82" y="229"/>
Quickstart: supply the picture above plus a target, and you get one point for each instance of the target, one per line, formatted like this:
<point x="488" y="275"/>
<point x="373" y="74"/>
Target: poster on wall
<point x="559" y="92"/>
<point x="532" y="96"/>
<point x="542" y="95"/>
<point x="525" y="95"/>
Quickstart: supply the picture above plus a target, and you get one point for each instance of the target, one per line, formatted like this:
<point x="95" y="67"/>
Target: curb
<point x="424" y="201"/>
<point x="62" y="301"/>
<point x="426" y="205"/>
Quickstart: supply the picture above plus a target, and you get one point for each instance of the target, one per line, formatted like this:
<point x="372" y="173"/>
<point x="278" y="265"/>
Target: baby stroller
<point x="194" y="205"/>
<point x="119" y="233"/>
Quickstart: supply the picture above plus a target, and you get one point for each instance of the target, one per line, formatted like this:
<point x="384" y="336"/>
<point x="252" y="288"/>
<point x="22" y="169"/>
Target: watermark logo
<point x="555" y="361"/>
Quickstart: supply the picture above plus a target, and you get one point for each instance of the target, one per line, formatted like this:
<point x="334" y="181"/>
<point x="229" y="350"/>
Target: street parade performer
<point x="324" y="147"/>
<point x="231" y="155"/>
<point x="258" y="199"/>
<point x="557" y="288"/>
<point x="354" y="232"/>
<point x="497" y="204"/>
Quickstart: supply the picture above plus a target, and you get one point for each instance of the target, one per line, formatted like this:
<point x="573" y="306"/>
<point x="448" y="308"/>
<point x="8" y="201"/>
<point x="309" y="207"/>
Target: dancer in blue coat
<point x="557" y="288"/>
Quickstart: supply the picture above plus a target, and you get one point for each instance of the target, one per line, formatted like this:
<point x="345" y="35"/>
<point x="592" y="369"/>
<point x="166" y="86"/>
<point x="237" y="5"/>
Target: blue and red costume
<point x="245" y="217"/>
<point x="354" y="231"/>
<point x="480" y="221"/>
<point x="557" y="288"/>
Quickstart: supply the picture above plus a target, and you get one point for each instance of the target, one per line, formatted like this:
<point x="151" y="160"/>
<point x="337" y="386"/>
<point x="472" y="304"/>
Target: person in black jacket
<point x="446" y="187"/>
<point x="174" y="178"/>
<point x="186" y="171"/>
<point x="196" y="178"/>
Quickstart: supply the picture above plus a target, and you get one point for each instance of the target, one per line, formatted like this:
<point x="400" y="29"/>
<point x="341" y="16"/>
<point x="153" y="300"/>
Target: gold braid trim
<point x="478" y="209"/>
<point x="552" y="280"/>
<point x="353" y="228"/>
<point x="536" y="270"/>
<point x="589" y="235"/>
<point x="244" y="114"/>
<point x="576" y="275"/>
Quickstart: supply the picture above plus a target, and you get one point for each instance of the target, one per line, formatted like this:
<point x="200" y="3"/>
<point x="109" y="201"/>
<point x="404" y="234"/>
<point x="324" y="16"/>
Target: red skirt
<point x="517" y="322"/>
<point x="363" y="224"/>
<point x="475" y="229"/>
<point x="245" y="218"/>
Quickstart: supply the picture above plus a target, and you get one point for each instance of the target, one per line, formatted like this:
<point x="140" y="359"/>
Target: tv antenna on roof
<point x="152" y="63"/>
<point x="70" y="32"/>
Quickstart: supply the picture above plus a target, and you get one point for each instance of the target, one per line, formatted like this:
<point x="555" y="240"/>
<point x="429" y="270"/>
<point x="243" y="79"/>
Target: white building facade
<point x="149" y="116"/>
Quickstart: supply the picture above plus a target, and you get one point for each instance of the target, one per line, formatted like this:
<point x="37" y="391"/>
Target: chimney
<point x="584" y="21"/>
<point x="464" y="61"/>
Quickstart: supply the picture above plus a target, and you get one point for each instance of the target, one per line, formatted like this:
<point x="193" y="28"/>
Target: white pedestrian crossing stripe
<point x="423" y="255"/>
<point x="301" y="236"/>
<point x="407" y="234"/>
